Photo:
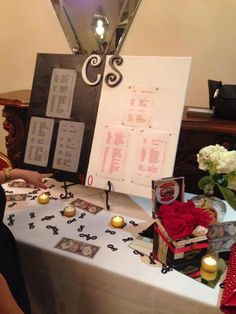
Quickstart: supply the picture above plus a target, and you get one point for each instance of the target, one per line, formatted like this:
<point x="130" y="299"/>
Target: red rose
<point x="180" y="219"/>
<point x="177" y="228"/>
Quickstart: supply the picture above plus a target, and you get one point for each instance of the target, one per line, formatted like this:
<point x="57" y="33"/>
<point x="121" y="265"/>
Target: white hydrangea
<point x="232" y="181"/>
<point x="227" y="163"/>
<point x="216" y="159"/>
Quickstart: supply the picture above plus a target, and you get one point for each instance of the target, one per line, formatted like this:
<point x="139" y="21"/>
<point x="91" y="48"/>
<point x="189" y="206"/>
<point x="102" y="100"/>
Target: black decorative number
<point x="136" y="252"/>
<point x="166" y="268"/>
<point x="110" y="231"/>
<point x="87" y="236"/>
<point x="128" y="239"/>
<point x="71" y="220"/>
<point x="133" y="223"/>
<point x="31" y="225"/>
<point x="111" y="246"/>
<point x="32" y="215"/>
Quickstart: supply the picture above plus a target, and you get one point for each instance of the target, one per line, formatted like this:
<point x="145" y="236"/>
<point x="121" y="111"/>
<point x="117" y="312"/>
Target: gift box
<point x="184" y="255"/>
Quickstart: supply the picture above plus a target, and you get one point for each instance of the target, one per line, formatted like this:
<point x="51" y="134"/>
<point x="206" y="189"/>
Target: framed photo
<point x="166" y="191"/>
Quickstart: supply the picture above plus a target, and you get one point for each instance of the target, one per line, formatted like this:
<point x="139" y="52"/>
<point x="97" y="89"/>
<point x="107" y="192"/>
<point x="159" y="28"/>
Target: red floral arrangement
<point x="180" y="219"/>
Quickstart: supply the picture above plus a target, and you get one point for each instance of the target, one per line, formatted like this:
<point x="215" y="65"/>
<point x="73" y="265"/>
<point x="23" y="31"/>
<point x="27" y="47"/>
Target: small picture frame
<point x="166" y="191"/>
<point x="221" y="236"/>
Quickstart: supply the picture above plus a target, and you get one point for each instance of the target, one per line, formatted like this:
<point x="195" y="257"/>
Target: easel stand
<point x="67" y="194"/>
<point x="107" y="194"/>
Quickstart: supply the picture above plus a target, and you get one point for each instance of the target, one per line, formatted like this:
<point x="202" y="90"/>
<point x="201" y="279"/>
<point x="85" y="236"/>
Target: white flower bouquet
<point x="221" y="165"/>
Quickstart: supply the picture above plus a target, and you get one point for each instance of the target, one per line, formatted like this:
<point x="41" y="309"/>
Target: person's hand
<point x="31" y="177"/>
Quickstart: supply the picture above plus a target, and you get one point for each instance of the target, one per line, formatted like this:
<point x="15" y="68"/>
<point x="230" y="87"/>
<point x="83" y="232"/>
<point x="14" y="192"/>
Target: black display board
<point x="84" y="109"/>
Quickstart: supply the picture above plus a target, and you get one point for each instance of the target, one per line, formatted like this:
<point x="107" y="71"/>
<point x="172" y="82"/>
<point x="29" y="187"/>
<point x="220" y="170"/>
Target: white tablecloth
<point x="114" y="281"/>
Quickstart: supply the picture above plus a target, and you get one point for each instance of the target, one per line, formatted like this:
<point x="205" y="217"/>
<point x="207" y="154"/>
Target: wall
<point x="26" y="28"/>
<point x="203" y="29"/>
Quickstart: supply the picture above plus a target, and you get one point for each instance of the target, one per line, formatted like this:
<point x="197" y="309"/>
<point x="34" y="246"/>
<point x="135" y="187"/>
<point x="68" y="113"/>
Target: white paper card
<point x="68" y="146"/>
<point x="113" y="152"/>
<point x="39" y="141"/>
<point x="141" y="102"/>
<point x="61" y="93"/>
<point x="150" y="156"/>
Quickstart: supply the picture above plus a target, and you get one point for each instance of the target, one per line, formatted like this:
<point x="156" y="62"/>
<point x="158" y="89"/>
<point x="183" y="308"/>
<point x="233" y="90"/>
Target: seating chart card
<point x="68" y="146"/>
<point x="138" y="124"/>
<point x="113" y="153"/>
<point x="140" y="106"/>
<point x="61" y="93"/>
<point x="39" y="140"/>
<point x="150" y="156"/>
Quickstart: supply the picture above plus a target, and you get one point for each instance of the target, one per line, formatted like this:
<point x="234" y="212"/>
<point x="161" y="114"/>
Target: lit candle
<point x="43" y="198"/>
<point x="69" y="211"/>
<point x="117" y="221"/>
<point x="209" y="267"/>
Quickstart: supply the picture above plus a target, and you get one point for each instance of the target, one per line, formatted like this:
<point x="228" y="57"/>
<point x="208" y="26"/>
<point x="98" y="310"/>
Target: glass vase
<point x="213" y="205"/>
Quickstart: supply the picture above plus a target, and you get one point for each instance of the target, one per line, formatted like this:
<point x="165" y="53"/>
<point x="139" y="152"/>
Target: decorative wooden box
<point x="180" y="254"/>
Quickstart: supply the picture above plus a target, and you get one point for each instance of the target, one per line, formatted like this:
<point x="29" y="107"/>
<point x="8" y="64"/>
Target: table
<point x="114" y="281"/>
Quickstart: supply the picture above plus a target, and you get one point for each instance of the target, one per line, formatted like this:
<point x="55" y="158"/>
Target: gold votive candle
<point x="209" y="267"/>
<point x="43" y="198"/>
<point x="69" y="211"/>
<point x="117" y="221"/>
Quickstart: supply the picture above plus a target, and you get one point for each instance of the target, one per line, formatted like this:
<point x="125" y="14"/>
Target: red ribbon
<point x="194" y="246"/>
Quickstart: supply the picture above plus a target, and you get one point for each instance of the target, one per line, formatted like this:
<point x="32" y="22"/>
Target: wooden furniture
<point x="198" y="131"/>
<point x="4" y="161"/>
<point x="15" y="109"/>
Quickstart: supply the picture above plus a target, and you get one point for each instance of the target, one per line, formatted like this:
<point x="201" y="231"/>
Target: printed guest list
<point x="140" y="106"/>
<point x="150" y="160"/>
<point x="39" y="141"/>
<point x="68" y="146"/>
<point x="61" y="92"/>
<point x="113" y="152"/>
